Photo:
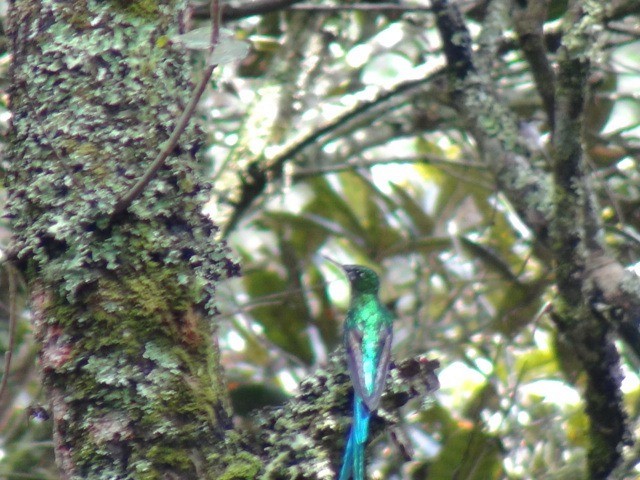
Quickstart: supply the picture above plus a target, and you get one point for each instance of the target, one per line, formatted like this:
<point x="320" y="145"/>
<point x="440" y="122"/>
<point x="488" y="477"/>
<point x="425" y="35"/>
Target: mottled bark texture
<point x="305" y="439"/>
<point x="492" y="125"/>
<point x="575" y="242"/>
<point x="595" y="293"/>
<point x="122" y="307"/>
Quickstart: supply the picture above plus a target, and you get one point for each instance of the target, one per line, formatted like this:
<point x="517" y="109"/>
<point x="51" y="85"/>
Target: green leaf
<point x="517" y="305"/>
<point x="488" y="257"/>
<point x="535" y="365"/>
<point x="420" y="219"/>
<point x="373" y="208"/>
<point x="468" y="453"/>
<point x="199" y="38"/>
<point x="248" y="397"/>
<point x="227" y="49"/>
<point x="305" y="232"/>
<point x="283" y="324"/>
<point x="424" y="246"/>
<point x="330" y="205"/>
<point x="328" y="323"/>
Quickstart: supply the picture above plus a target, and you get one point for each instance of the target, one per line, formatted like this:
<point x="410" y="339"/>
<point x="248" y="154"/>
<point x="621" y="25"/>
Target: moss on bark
<point x="122" y="305"/>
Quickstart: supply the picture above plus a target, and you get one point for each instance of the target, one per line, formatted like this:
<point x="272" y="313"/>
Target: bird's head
<point x="362" y="279"/>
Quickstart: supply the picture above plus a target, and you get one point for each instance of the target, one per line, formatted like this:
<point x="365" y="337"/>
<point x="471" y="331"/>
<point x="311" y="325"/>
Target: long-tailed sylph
<point x="367" y="339"/>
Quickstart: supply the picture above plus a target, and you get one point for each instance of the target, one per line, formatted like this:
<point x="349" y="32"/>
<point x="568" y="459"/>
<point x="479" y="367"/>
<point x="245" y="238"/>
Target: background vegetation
<point x="343" y="133"/>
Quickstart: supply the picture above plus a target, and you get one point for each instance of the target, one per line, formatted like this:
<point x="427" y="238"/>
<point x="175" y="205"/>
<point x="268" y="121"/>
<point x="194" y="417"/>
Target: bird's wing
<point x="353" y="342"/>
<point x="355" y="362"/>
<point x="383" y="368"/>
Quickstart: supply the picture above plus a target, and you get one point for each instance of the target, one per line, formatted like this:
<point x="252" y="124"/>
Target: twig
<point x="215" y="31"/>
<point x="123" y="203"/>
<point x="11" y="273"/>
<point x="529" y="23"/>
<point x="422" y="158"/>
<point x="247" y="9"/>
<point x="312" y="137"/>
<point x="361" y="7"/>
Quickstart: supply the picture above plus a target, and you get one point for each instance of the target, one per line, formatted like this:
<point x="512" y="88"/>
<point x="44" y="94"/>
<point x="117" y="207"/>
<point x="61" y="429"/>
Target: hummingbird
<point x="367" y="339"/>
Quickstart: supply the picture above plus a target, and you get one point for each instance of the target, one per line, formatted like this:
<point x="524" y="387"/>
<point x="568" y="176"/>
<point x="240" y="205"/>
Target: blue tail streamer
<point x="353" y="459"/>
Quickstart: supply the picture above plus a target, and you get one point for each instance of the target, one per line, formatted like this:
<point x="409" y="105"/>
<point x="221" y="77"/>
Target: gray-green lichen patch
<point x="528" y="188"/>
<point x="239" y="466"/>
<point x="124" y="320"/>
<point x="491" y="116"/>
<point x="299" y="439"/>
<point x="130" y="385"/>
<point x="580" y="33"/>
<point x="96" y="100"/>
<point x="304" y="438"/>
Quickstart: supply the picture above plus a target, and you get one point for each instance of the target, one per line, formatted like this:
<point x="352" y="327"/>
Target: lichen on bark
<point x="122" y="304"/>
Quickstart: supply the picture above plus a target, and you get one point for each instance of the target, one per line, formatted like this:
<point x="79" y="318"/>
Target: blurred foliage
<point x="333" y="137"/>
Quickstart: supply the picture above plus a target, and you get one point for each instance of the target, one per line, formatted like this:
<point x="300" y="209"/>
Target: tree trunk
<point x="122" y="304"/>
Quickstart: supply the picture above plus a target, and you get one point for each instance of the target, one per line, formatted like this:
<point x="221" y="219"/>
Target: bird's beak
<point x="334" y="262"/>
<point x="347" y="269"/>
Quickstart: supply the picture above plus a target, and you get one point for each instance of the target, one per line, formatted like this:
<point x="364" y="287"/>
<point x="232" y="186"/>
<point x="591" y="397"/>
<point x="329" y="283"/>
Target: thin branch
<point x="316" y="415"/>
<point x="618" y="8"/>
<point x="428" y="159"/>
<point x="273" y="168"/>
<point x="529" y="22"/>
<point x="247" y="9"/>
<point x="577" y="246"/>
<point x="215" y="31"/>
<point x="492" y="125"/>
<point x="530" y="190"/>
<point x="361" y="7"/>
<point x="311" y="138"/>
<point x="13" y="314"/>
<point x="124" y="202"/>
